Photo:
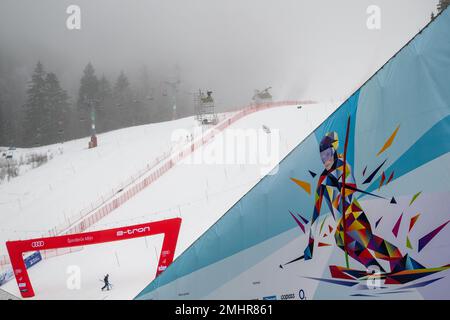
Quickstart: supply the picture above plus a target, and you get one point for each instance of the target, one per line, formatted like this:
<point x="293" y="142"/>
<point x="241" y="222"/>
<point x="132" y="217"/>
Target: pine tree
<point x="105" y="111"/>
<point x="442" y="5"/>
<point x="35" y="112"/>
<point x="144" y="81"/>
<point x="87" y="99"/>
<point x="2" y="123"/>
<point x="122" y="84"/>
<point x="104" y="88"/>
<point x="144" y="97"/>
<point x="7" y="133"/>
<point x="57" y="105"/>
<point x="123" y="101"/>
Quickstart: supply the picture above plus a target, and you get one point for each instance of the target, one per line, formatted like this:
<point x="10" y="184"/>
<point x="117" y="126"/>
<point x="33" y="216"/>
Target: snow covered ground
<point x="198" y="192"/>
<point x="76" y="176"/>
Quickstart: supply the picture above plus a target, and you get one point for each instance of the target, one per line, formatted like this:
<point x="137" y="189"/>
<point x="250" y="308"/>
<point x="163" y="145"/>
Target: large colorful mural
<point x="360" y="209"/>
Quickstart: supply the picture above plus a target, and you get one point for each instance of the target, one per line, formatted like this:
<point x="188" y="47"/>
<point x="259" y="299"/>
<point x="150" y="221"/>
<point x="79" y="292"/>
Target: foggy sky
<point x="302" y="48"/>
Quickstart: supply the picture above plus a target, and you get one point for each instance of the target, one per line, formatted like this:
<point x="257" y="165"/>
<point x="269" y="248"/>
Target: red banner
<point x="170" y="228"/>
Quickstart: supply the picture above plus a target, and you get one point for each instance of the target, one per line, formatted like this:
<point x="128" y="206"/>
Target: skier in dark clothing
<point x="107" y="285"/>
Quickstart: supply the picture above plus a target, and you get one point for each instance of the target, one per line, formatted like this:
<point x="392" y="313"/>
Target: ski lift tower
<point x="263" y="96"/>
<point x="205" y="108"/>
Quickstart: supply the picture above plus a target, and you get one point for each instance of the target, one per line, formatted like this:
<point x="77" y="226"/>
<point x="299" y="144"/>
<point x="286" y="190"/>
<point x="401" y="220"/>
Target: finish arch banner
<point x="169" y="228"/>
<point x="360" y="209"/>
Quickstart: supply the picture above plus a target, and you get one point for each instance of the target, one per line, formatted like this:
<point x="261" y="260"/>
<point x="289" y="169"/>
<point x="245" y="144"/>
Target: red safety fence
<point x="152" y="172"/>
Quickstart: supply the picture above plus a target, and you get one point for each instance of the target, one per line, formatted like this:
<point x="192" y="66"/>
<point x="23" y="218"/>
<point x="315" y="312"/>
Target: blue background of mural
<point x="410" y="91"/>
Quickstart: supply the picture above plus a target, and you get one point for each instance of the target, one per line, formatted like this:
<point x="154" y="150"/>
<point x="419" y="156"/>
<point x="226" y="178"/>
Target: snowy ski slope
<point x="198" y="192"/>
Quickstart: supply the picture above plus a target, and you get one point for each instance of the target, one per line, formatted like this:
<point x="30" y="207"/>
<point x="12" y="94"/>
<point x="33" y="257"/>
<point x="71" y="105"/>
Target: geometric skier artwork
<point x="353" y="233"/>
<point x="363" y="200"/>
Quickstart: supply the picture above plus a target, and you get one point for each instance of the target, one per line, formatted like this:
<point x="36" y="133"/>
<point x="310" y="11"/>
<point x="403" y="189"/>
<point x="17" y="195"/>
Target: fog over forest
<point x="129" y="51"/>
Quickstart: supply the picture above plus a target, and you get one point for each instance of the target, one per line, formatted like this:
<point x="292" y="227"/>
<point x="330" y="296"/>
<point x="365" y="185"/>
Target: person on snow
<point x="107" y="285"/>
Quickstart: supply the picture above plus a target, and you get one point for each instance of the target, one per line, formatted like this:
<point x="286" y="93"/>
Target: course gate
<point x="170" y="228"/>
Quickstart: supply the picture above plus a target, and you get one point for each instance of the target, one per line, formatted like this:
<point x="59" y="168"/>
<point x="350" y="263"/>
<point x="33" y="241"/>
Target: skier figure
<point x="107" y="285"/>
<point x="356" y="238"/>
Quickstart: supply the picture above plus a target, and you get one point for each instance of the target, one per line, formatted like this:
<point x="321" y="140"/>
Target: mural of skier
<point x="337" y="186"/>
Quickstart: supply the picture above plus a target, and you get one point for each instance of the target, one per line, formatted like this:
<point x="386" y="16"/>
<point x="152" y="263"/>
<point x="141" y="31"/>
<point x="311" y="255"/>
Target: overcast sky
<point x="302" y="48"/>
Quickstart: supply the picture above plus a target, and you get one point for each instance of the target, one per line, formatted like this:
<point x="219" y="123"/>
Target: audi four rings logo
<point x="37" y="244"/>
<point x="132" y="231"/>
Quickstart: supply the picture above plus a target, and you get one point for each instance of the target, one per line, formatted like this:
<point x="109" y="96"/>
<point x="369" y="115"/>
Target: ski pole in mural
<point x="353" y="233"/>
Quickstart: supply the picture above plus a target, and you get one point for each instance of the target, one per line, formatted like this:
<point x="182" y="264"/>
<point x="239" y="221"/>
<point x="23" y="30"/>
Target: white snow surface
<point x="199" y="193"/>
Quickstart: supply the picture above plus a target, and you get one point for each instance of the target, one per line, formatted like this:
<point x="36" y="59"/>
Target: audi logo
<point x="37" y="244"/>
